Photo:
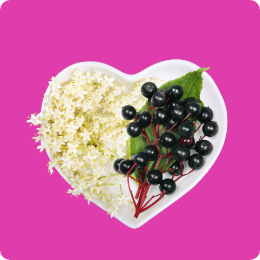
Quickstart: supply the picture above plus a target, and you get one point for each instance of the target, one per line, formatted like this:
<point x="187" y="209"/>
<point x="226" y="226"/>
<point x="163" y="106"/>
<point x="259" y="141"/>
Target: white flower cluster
<point x="82" y="127"/>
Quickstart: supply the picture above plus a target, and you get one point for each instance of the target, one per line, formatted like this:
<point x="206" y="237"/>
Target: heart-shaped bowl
<point x="166" y="70"/>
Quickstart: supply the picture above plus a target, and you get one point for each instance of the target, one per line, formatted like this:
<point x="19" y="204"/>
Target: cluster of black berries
<point x="172" y="113"/>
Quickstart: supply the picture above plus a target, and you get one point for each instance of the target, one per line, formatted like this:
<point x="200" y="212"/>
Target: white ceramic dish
<point x="165" y="70"/>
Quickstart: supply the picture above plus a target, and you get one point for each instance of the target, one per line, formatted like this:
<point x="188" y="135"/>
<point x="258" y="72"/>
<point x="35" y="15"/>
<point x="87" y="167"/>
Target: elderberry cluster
<point x="170" y="111"/>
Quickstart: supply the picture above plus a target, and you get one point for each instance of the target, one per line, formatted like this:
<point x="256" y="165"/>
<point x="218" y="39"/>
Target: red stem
<point x="147" y="139"/>
<point x="162" y="130"/>
<point x="184" y="175"/>
<point x="157" y="129"/>
<point x="166" y="163"/>
<point x="140" y="185"/>
<point x="145" y="189"/>
<point x="167" y="154"/>
<point x="153" y="131"/>
<point x="180" y="141"/>
<point x="153" y="113"/>
<point x="152" y="198"/>
<point x="185" y="117"/>
<point x="173" y="175"/>
<point x="156" y="142"/>
<point x="197" y="128"/>
<point x="129" y="186"/>
<point x="144" y="209"/>
<point x="172" y="127"/>
<point x="135" y="179"/>
<point x="157" y="163"/>
<point x="166" y="102"/>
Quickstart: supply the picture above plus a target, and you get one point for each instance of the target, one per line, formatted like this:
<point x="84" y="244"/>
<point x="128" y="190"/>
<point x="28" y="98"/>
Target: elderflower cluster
<point x="82" y="128"/>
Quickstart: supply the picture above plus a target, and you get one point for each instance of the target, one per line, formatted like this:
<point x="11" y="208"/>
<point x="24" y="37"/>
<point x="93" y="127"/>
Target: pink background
<point x="219" y="218"/>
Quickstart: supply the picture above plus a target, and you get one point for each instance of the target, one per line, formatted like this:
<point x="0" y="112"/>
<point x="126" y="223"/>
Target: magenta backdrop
<point x="219" y="218"/>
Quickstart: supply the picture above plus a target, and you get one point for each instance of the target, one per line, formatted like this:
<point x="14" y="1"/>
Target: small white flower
<point x="34" y="120"/>
<point x="123" y="200"/>
<point x="86" y="135"/>
<point x="81" y="125"/>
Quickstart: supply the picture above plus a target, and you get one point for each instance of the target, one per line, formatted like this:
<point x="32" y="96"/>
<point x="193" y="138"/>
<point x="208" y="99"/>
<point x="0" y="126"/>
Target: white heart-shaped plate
<point x="166" y="70"/>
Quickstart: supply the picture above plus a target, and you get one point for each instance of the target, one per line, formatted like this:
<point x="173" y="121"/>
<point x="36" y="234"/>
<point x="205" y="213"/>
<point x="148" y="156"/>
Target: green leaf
<point x="192" y="86"/>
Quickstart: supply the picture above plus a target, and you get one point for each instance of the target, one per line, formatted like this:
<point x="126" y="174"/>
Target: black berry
<point x="154" y="177"/>
<point x="164" y="91"/>
<point x="178" y="113"/>
<point x="168" y="140"/>
<point x="205" y="115"/>
<point x="170" y="123"/>
<point x="175" y="91"/>
<point x="148" y="89"/>
<point x="176" y="168"/>
<point x="161" y="116"/>
<point x="203" y="147"/>
<point x="168" y="185"/>
<point x="151" y="152"/>
<point x="210" y="128"/>
<point x="125" y="166"/>
<point x="140" y="159"/>
<point x="181" y="153"/>
<point x="144" y="119"/>
<point x="196" y="161"/>
<point x="128" y="112"/>
<point x="172" y="103"/>
<point x="187" y="120"/>
<point x="159" y="99"/>
<point x="116" y="163"/>
<point x="187" y="100"/>
<point x="134" y="129"/>
<point x="188" y="142"/>
<point x="185" y="130"/>
<point x="193" y="108"/>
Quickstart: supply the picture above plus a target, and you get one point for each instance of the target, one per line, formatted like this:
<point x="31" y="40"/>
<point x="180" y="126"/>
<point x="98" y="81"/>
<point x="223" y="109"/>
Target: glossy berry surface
<point x="168" y="185"/>
<point x="161" y="115"/>
<point x="144" y="119"/>
<point x="154" y="177"/>
<point x="159" y="99"/>
<point x="170" y="123"/>
<point x="187" y="120"/>
<point x="151" y="152"/>
<point x="125" y="166"/>
<point x="203" y="147"/>
<point x="164" y="91"/>
<point x="140" y="159"/>
<point x="172" y="103"/>
<point x="187" y="100"/>
<point x="205" y="115"/>
<point x="196" y="161"/>
<point x="181" y="153"/>
<point x="128" y="112"/>
<point x="116" y="163"/>
<point x="175" y="91"/>
<point x="176" y="168"/>
<point x="148" y="89"/>
<point x="193" y="108"/>
<point x="178" y="113"/>
<point x="210" y="128"/>
<point x="134" y="129"/>
<point x="185" y="130"/>
<point x="168" y="140"/>
<point x="188" y="142"/>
